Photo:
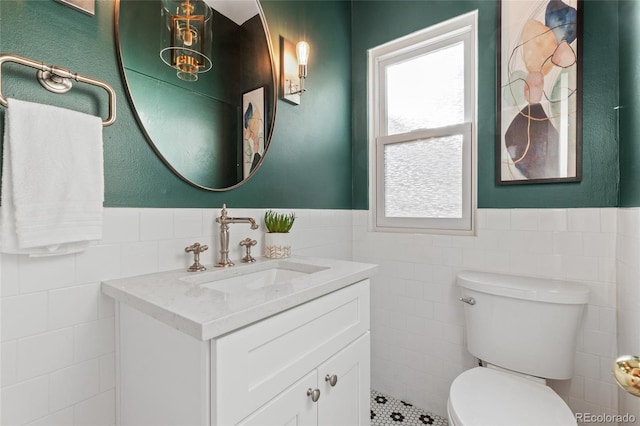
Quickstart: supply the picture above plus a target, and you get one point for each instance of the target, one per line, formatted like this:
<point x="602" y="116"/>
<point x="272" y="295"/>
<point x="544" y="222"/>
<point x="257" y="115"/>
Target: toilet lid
<point x="483" y="396"/>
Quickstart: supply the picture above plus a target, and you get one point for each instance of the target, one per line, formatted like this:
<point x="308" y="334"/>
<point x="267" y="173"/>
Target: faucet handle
<point x="248" y="243"/>
<point x="196" y="248"/>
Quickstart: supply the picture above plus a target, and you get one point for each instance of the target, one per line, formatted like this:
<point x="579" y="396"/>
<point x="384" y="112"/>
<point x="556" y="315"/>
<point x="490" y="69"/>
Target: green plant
<point x="278" y="222"/>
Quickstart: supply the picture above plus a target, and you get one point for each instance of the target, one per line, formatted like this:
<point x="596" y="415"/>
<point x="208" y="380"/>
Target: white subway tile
<point x="209" y="225"/>
<point x="94" y="339"/>
<point x="606" y="370"/>
<point x="96" y="411"/>
<point x="9" y="279"/>
<point x="539" y="242"/>
<point x="23" y="315"/>
<point x="607" y="270"/>
<point x="577" y="387"/>
<point x="608" y="220"/>
<point x="487" y="239"/>
<point x="453" y="333"/>
<point x="512" y="241"/>
<point x="187" y="223"/>
<point x="9" y="366"/>
<point x="107" y="372"/>
<point x="414" y="289"/>
<point x="98" y="263"/>
<point x="551" y="266"/>
<point x="600" y="244"/>
<point x="45" y="273"/>
<point x="599" y="343"/>
<point x="156" y="224"/>
<point x="552" y="220"/>
<point x="524" y="219"/>
<point x="568" y="243"/>
<point x="583" y="220"/>
<point x="591" y="318"/>
<point x="607" y="320"/>
<point x="106" y="306"/>
<point x="25" y="401"/>
<point x="121" y="225"/>
<point x="453" y="256"/>
<point x="524" y="264"/>
<point x="139" y="258"/>
<point x="44" y="353"/>
<point x="73" y="305"/>
<point x="602" y="294"/>
<point x="74" y="384"/>
<point x="497" y="261"/>
<point x="474" y="259"/>
<point x="581" y="268"/>
<point x="59" y="418"/>
<point x="498" y="219"/>
<point x="423" y="308"/>
<point x="602" y="394"/>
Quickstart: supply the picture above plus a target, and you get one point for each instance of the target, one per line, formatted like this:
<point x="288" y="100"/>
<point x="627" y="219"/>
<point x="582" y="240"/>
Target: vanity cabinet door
<point x="291" y="407"/>
<point x="343" y="400"/>
<point x="257" y="363"/>
<point x="344" y="382"/>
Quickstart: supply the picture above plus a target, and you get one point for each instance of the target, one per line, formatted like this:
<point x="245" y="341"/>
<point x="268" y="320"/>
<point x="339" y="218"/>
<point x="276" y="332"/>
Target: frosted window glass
<point x="426" y="91"/>
<point x="423" y="179"/>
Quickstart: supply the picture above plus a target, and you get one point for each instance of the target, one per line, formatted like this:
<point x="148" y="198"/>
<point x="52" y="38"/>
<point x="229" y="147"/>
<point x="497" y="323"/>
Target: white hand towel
<point x="52" y="179"/>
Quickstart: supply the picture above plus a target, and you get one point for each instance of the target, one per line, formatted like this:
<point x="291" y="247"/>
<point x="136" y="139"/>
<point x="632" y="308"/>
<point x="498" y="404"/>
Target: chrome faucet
<point x="224" y="222"/>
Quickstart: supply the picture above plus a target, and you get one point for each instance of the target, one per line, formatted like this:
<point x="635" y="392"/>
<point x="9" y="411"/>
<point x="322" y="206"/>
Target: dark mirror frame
<point x="228" y="127"/>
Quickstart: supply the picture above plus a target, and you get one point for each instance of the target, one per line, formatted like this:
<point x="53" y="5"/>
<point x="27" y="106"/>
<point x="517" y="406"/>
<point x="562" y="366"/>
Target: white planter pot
<point x="277" y="246"/>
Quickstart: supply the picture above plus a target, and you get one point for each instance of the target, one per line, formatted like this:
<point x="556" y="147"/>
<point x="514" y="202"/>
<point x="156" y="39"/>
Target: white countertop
<point x="179" y="299"/>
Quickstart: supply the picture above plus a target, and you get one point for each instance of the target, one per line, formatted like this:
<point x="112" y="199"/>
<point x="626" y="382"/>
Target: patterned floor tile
<point x="388" y="411"/>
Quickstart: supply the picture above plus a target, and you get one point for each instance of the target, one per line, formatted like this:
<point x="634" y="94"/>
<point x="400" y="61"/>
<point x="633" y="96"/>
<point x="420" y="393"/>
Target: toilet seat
<point x="487" y="397"/>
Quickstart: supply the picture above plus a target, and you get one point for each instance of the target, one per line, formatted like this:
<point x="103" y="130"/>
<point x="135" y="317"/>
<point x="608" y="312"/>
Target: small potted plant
<point x="277" y="244"/>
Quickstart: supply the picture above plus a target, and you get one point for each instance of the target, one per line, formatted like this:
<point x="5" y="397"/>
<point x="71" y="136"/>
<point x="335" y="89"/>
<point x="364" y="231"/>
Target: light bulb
<point x="302" y="51"/>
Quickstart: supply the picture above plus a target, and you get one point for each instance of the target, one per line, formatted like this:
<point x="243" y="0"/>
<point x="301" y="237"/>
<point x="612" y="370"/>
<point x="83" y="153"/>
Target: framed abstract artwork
<point x="539" y="116"/>
<point x="252" y="130"/>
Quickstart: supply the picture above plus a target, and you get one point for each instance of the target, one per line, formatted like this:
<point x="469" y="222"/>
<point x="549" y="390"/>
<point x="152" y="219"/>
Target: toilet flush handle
<point x="468" y="300"/>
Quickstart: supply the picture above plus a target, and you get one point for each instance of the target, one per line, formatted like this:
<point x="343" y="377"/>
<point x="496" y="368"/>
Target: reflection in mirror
<point x="212" y="132"/>
<point x="626" y="371"/>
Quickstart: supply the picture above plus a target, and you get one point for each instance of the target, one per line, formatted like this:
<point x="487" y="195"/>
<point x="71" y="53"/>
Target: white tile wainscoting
<point x="417" y="321"/>
<point x="57" y="329"/>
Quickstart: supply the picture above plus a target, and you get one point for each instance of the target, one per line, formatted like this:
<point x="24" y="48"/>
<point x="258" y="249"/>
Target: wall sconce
<point x="186" y="37"/>
<point x="293" y="69"/>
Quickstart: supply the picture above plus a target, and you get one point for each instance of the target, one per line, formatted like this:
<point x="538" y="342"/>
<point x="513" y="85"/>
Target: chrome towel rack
<point x="58" y="80"/>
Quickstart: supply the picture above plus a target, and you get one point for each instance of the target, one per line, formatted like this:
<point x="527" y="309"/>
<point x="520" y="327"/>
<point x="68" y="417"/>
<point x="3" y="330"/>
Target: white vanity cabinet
<point x="266" y="373"/>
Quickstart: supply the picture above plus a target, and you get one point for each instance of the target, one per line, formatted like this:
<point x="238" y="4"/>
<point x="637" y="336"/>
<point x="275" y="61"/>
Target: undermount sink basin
<point x="254" y="277"/>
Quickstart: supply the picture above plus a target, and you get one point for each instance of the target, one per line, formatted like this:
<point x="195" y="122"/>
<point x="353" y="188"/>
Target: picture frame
<point x="539" y="99"/>
<point x="87" y="7"/>
<point x="253" y="130"/>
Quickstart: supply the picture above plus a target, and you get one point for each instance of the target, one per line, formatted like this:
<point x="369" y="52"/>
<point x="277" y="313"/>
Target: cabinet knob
<point x="314" y="394"/>
<point x="333" y="379"/>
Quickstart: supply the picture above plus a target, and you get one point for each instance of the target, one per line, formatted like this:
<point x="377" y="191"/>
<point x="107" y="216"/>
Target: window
<point x="422" y="112"/>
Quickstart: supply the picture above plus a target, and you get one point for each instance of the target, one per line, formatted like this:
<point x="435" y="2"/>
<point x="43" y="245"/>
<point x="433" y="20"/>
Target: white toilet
<point x="524" y="330"/>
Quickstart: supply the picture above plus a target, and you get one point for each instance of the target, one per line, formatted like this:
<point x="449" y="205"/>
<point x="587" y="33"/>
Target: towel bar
<point x="58" y="80"/>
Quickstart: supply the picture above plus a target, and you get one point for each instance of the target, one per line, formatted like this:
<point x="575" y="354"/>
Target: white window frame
<point x="459" y="29"/>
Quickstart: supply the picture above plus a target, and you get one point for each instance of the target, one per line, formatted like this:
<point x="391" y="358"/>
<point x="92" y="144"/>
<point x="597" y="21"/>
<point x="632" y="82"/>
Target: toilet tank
<point x="525" y="324"/>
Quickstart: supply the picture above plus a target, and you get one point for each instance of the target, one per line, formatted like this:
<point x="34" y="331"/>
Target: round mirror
<point x="210" y="124"/>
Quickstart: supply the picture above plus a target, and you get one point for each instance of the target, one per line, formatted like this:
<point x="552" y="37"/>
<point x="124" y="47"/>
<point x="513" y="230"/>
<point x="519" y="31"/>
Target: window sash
<point x="464" y="223"/>
<point x="429" y="46"/>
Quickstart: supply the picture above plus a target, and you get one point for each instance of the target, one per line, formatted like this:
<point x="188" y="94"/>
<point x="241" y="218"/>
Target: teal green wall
<point x="376" y="22"/>
<point x="309" y="161"/>
<point x="318" y="156"/>
<point x="630" y="110"/>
